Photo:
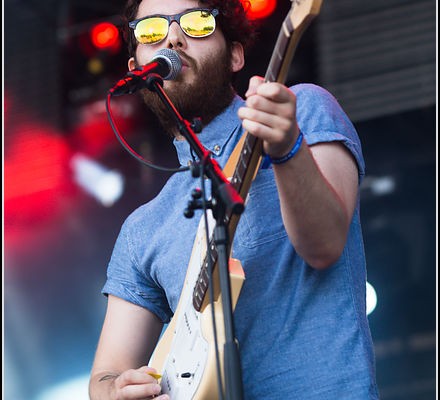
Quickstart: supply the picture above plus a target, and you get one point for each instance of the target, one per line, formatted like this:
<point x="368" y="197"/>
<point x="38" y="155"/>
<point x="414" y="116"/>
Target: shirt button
<point x="217" y="149"/>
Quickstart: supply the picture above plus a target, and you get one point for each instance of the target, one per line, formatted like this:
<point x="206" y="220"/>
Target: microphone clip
<point x="151" y="80"/>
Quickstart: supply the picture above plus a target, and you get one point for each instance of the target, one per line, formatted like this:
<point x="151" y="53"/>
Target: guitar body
<point x="185" y="354"/>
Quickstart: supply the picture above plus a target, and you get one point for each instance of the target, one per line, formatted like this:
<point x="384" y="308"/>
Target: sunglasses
<point x="196" y="23"/>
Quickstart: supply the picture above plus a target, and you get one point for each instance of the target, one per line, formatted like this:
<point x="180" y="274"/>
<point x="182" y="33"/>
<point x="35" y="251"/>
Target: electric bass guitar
<point x="185" y="355"/>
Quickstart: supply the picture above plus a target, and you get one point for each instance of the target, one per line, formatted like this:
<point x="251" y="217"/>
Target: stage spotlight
<point x="103" y="184"/>
<point x="380" y="185"/>
<point x="261" y="8"/>
<point x="105" y="36"/>
<point x="371" y="298"/>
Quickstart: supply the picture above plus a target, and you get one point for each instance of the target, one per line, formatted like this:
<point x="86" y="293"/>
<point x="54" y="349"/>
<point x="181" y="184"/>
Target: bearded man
<point x="300" y="319"/>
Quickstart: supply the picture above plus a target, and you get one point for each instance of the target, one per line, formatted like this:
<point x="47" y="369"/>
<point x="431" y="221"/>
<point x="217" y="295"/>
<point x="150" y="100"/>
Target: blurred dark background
<point x="378" y="58"/>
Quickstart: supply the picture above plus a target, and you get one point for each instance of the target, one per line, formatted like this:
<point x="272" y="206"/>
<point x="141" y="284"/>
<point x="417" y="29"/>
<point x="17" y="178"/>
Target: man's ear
<point x="131" y="64"/>
<point x="237" y="56"/>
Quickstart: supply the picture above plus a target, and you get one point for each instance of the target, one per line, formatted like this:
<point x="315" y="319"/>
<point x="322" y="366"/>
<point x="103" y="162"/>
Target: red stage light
<point x="261" y="8"/>
<point x="36" y="174"/>
<point x="105" y="36"/>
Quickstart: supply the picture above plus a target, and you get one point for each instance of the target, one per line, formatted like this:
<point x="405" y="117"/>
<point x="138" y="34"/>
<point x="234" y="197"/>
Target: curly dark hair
<point x="232" y="19"/>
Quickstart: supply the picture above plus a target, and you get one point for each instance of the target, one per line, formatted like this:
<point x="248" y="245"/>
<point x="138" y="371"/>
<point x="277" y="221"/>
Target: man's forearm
<point x="317" y="212"/>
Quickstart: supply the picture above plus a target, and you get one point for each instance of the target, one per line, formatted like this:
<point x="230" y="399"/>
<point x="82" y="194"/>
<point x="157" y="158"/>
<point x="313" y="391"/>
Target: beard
<point x="205" y="97"/>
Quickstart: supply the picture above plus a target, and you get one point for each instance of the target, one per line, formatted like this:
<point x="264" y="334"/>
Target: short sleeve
<point x="322" y="119"/>
<point x="126" y="279"/>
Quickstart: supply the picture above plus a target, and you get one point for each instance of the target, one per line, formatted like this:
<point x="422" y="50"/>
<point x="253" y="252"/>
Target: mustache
<point x="186" y="59"/>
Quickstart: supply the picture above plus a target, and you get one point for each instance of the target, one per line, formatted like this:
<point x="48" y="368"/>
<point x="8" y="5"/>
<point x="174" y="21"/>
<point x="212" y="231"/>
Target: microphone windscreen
<point x="172" y="59"/>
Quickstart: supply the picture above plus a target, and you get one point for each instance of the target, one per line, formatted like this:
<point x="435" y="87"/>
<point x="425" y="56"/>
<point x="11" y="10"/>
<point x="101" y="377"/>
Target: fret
<point x="278" y="54"/>
<point x="242" y="165"/>
<point x="241" y="169"/>
<point x="203" y="280"/>
<point x="247" y="149"/>
<point x="245" y="156"/>
<point x="202" y="284"/>
<point x="200" y="288"/>
<point x="249" y="144"/>
<point x="236" y="182"/>
<point x="197" y="299"/>
<point x="213" y="251"/>
<point x="244" y="159"/>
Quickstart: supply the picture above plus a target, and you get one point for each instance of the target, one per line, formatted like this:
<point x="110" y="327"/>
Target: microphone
<point x="166" y="63"/>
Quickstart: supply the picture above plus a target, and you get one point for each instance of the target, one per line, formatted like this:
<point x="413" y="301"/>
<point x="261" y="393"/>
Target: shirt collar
<point x="215" y="135"/>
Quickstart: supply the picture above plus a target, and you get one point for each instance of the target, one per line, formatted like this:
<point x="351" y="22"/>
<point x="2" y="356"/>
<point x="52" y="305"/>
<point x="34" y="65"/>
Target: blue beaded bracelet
<point x="291" y="153"/>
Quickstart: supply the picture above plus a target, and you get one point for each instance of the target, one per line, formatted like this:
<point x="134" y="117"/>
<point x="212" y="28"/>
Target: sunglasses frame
<point x="171" y="18"/>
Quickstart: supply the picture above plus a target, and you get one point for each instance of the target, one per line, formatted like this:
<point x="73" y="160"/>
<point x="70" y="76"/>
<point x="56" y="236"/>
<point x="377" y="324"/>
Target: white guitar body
<point x="185" y="354"/>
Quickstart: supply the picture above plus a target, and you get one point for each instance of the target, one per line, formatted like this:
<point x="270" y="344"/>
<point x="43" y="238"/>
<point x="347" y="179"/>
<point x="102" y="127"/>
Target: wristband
<point x="289" y="155"/>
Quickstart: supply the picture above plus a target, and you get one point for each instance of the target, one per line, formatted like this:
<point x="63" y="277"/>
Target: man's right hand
<point x="135" y="384"/>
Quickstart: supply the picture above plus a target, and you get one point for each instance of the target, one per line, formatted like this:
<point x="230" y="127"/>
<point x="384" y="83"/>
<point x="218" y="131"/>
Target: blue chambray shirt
<point x="303" y="333"/>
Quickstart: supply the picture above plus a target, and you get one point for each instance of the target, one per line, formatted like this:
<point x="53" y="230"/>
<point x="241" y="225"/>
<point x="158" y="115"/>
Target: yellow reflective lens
<point x="198" y="23"/>
<point x="151" y="30"/>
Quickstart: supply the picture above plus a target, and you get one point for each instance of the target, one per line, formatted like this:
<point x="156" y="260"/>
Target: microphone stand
<point x="225" y="199"/>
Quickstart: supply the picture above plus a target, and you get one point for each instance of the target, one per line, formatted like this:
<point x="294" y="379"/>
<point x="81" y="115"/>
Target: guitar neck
<point x="251" y="153"/>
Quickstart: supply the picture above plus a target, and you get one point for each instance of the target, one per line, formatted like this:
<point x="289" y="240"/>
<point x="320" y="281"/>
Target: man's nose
<point x="176" y="38"/>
